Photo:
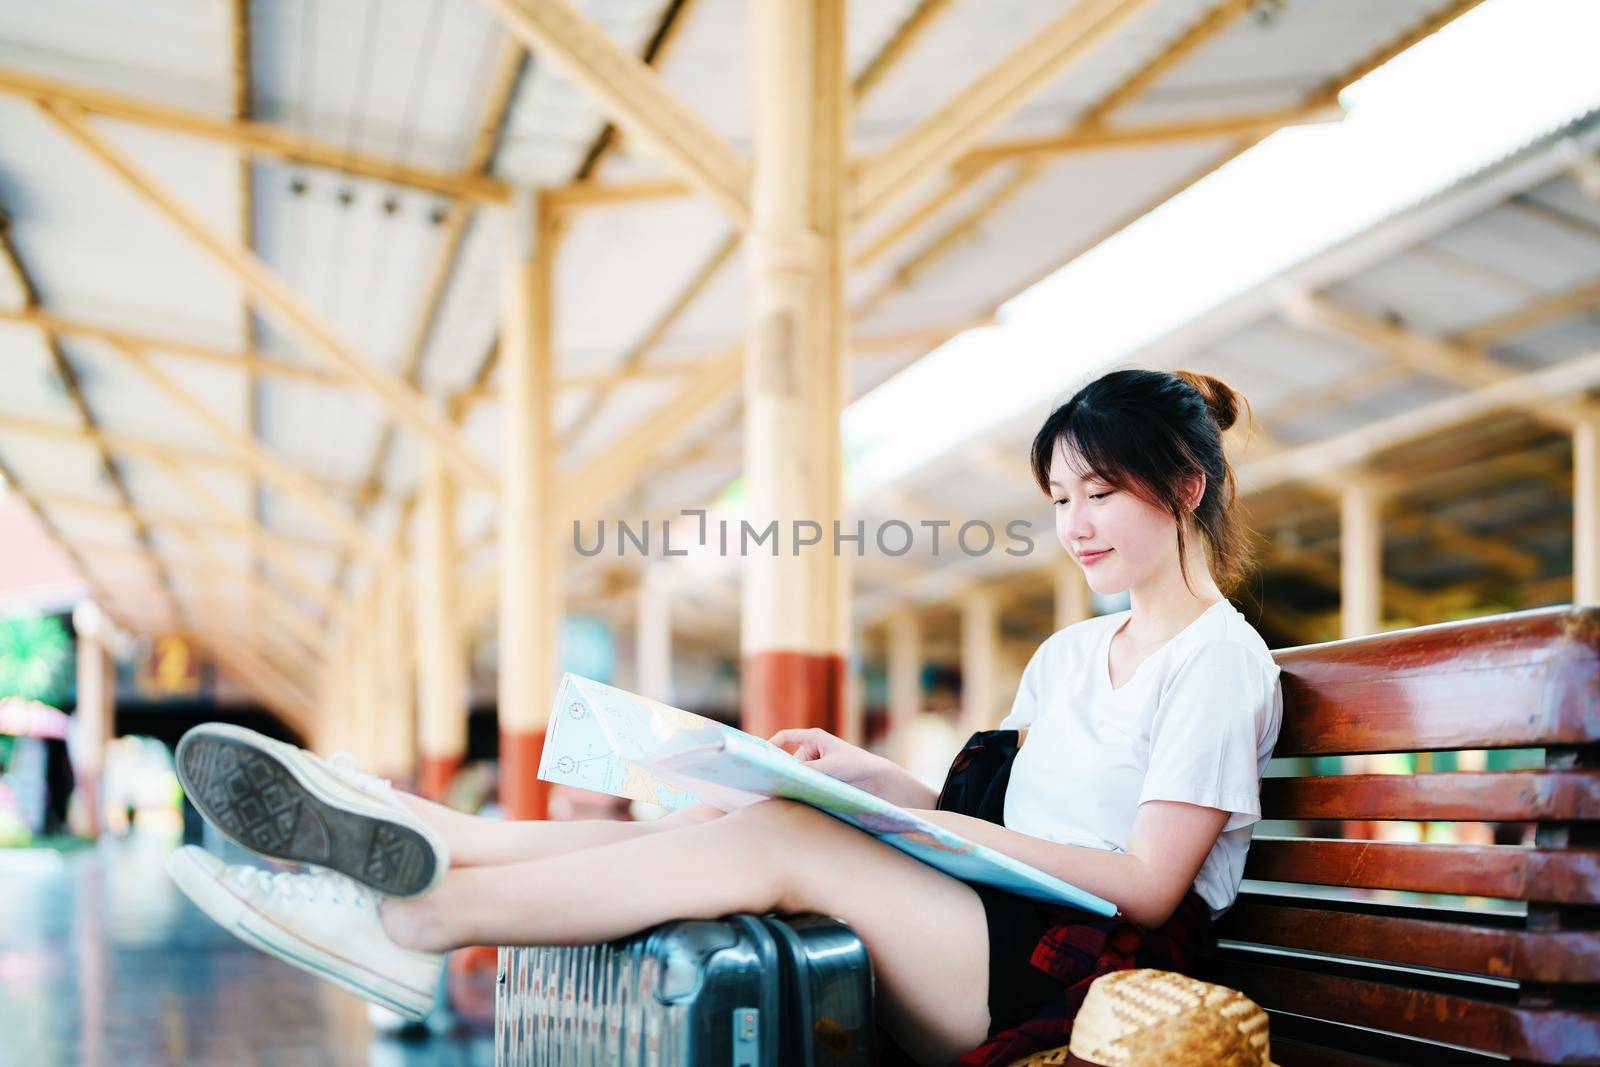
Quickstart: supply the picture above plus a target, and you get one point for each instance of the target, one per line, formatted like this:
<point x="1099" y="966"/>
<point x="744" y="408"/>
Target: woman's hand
<point x="839" y="759"/>
<point x="831" y="755"/>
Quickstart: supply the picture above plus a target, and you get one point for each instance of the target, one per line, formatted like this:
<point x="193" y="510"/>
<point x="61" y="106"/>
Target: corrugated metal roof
<point x="410" y="80"/>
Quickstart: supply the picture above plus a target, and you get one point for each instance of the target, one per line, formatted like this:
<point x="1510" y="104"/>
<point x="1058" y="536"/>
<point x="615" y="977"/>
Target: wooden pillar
<point x="441" y="643"/>
<point x="327" y="731"/>
<point x="853" y="722"/>
<point x="396" y="722"/>
<point x="375" y="655"/>
<point x="1361" y="598"/>
<point x="653" y="635"/>
<point x="905" y="681"/>
<point x="364" y="682"/>
<point x="343" y="715"/>
<point x="1073" y="603"/>
<point x="795" y="612"/>
<point x="94" y="719"/>
<point x="1586" y="512"/>
<point x="530" y="562"/>
<point x="980" y="634"/>
<point x="1360" y="557"/>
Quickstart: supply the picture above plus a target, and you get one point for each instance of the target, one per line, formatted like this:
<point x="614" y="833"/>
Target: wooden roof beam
<point x="32" y="501"/>
<point x="1207" y="29"/>
<point x="613" y="469"/>
<point x="1557" y="383"/>
<point x="1452" y="536"/>
<point x="1146" y="135"/>
<point x="640" y="350"/>
<point x="249" y="360"/>
<point x="1574" y="301"/>
<point x="1081" y="139"/>
<point x="588" y="194"/>
<point x="225" y="610"/>
<point x="634" y="96"/>
<point x="901" y="43"/>
<point x="234" y="524"/>
<point x="604" y="148"/>
<point x="260" y="460"/>
<point x="149" y="448"/>
<point x="990" y="100"/>
<point x="296" y="622"/>
<point x="205" y="564"/>
<point x="68" y="377"/>
<point x="1451" y="361"/>
<point x="1218" y="20"/>
<point x="1413" y="602"/>
<point x="282" y="559"/>
<point x="277" y="691"/>
<point x="398" y="398"/>
<point x="502" y="93"/>
<point x="257" y="138"/>
<point x="668" y="32"/>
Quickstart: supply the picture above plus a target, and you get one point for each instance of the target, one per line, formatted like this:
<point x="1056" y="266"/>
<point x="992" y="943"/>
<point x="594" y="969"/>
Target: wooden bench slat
<point x="1499" y="918"/>
<point x="1564" y="877"/>
<point x="1460" y="796"/>
<point x="1540" y="1035"/>
<point x="1497" y="952"/>
<point x="1297" y="1041"/>
<point x="1524" y="679"/>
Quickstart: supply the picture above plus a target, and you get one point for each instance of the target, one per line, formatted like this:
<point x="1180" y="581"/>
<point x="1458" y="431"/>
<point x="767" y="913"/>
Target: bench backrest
<point x="1328" y="936"/>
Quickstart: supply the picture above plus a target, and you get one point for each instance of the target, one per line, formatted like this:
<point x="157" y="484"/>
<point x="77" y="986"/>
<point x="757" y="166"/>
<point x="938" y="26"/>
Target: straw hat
<point x="1150" y="1018"/>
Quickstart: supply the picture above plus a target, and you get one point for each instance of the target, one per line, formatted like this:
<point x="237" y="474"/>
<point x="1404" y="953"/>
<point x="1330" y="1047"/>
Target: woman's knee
<point x="786" y="838"/>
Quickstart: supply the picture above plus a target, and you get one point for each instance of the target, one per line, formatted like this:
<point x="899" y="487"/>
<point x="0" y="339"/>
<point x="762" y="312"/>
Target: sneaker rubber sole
<point x="265" y="804"/>
<point x="236" y="915"/>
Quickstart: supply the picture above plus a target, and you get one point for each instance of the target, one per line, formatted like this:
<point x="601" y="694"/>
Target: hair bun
<point x="1221" y="400"/>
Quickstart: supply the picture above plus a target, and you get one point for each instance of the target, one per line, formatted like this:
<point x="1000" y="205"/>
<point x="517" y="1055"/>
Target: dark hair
<point x="1149" y="433"/>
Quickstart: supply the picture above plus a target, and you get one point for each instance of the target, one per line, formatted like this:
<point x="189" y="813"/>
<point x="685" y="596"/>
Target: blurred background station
<point x="365" y="364"/>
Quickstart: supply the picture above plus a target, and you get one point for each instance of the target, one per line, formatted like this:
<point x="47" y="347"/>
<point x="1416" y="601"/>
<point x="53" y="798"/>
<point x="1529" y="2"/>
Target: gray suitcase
<point x="743" y="991"/>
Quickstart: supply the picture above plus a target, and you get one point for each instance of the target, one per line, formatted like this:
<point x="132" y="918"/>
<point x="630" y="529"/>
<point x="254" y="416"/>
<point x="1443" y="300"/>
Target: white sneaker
<point x="322" y="923"/>
<point x="284" y="802"/>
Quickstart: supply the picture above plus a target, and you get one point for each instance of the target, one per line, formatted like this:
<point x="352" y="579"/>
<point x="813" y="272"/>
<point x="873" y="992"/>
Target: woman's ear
<point x="1197" y="492"/>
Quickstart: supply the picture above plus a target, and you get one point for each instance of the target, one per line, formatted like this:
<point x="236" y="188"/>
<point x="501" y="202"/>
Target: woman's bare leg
<point x="924" y="930"/>
<point x="475" y="841"/>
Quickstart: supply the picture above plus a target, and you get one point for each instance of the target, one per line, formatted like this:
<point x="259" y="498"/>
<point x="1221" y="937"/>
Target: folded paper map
<point x="612" y="741"/>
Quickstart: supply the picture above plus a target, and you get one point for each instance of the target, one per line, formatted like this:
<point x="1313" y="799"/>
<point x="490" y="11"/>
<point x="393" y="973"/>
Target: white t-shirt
<point x="1195" y="723"/>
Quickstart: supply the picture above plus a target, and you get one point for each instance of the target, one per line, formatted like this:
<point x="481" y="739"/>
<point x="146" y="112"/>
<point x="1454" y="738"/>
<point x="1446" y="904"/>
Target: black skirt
<point x="976" y="785"/>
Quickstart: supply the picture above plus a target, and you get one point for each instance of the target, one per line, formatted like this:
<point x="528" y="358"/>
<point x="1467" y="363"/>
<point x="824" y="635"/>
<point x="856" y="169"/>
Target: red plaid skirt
<point x="1076" y="947"/>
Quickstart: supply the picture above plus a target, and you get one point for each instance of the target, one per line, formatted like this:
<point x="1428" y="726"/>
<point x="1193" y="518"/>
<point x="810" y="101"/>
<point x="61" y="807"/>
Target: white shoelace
<point x="288" y="886"/>
<point x="344" y="765"/>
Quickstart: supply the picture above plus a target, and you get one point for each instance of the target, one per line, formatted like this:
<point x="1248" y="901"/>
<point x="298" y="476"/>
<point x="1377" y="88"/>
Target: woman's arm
<point x="1168" y="844"/>
<point x="895" y="784"/>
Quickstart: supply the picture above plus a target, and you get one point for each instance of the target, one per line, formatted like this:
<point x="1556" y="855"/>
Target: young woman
<point x="1129" y="765"/>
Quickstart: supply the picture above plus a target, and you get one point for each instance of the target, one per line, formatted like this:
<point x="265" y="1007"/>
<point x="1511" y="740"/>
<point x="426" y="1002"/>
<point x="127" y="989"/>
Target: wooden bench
<point x="1352" y="974"/>
<point x="1334" y="936"/>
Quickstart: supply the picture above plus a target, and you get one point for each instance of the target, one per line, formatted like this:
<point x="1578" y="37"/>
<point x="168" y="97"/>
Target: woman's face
<point x="1135" y="540"/>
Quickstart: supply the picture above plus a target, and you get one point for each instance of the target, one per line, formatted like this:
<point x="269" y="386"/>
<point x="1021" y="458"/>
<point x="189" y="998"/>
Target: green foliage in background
<point x="35" y="658"/>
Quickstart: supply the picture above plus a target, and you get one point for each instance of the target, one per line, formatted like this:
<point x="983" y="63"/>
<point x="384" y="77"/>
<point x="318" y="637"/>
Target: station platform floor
<point x="103" y="963"/>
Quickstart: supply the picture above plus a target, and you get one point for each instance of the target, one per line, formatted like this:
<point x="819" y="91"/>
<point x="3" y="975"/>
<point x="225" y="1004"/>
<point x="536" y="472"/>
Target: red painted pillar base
<point x="435" y="773"/>
<point x="522" y="794"/>
<point x="784" y="690"/>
